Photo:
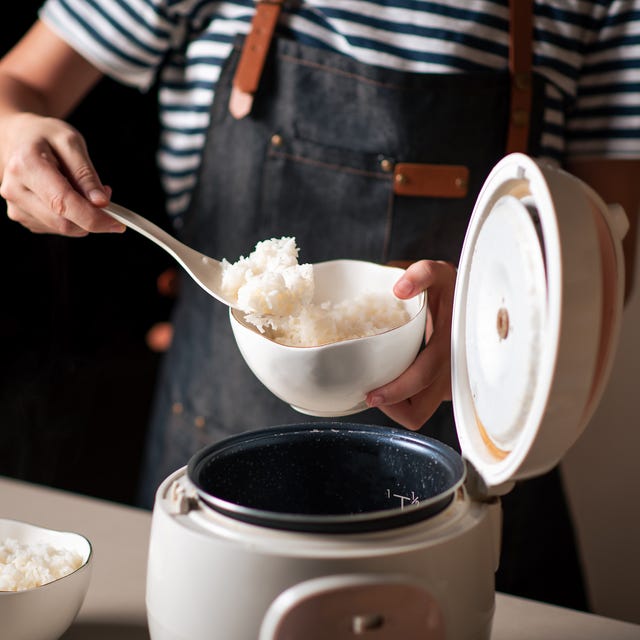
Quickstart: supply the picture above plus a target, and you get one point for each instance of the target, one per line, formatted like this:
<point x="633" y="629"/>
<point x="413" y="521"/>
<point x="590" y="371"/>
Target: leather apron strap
<point x="409" y="179"/>
<point x="520" y="64"/>
<point x="254" y="54"/>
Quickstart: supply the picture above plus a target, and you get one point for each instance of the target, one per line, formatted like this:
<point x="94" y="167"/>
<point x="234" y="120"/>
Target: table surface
<point x="114" y="607"/>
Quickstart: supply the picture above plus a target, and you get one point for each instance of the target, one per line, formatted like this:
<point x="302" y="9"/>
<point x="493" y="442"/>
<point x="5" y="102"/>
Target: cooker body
<point x="210" y="575"/>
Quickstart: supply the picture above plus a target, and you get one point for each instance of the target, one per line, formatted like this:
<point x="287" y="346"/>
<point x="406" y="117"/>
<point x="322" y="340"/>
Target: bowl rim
<point x="31" y="525"/>
<point x="369" y="521"/>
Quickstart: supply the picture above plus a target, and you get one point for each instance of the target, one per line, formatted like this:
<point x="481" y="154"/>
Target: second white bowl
<point x="47" y="611"/>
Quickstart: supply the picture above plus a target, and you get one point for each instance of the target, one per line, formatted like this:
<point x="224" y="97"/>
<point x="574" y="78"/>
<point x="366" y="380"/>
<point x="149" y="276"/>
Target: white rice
<point x="25" y="566"/>
<point x="316" y="324"/>
<point x="276" y="293"/>
<point x="270" y="281"/>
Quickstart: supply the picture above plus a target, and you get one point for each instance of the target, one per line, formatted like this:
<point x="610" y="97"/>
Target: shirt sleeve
<point x="605" y="118"/>
<point x="125" y="40"/>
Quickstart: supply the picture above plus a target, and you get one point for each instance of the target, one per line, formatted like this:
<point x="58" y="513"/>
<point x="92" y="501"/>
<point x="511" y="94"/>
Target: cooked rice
<point x="276" y="293"/>
<point x="269" y="281"/>
<point x="25" y="566"/>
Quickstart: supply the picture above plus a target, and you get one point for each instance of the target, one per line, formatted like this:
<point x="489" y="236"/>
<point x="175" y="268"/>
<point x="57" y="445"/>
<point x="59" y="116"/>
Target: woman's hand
<point x="412" y="398"/>
<point x="49" y="181"/>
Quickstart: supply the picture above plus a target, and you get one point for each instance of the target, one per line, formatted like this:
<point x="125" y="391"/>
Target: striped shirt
<point x="588" y="51"/>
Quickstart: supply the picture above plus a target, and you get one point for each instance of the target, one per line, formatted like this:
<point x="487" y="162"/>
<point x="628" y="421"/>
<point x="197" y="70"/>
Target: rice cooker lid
<point x="536" y="318"/>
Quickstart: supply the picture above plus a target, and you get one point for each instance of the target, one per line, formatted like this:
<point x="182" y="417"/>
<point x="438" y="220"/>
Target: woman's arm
<point x="47" y="177"/>
<point x="44" y="75"/>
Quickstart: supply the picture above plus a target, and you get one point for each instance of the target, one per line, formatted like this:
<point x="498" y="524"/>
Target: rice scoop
<point x="276" y="294"/>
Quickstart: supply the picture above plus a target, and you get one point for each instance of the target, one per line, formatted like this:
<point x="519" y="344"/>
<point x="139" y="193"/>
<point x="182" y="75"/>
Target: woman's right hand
<point x="49" y="182"/>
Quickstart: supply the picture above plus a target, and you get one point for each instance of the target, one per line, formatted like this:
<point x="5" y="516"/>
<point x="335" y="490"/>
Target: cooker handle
<point x="344" y="607"/>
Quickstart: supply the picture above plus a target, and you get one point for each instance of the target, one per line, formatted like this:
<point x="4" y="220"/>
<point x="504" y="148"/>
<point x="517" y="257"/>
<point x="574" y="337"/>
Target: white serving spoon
<point x="206" y="271"/>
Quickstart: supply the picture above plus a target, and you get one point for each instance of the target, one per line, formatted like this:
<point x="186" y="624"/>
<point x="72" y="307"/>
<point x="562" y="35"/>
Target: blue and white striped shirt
<point x="588" y="50"/>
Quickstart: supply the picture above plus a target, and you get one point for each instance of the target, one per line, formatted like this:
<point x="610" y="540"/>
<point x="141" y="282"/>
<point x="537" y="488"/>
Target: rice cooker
<point x="334" y="530"/>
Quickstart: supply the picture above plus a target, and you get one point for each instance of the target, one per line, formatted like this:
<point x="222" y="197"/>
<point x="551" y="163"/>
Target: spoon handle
<point x="147" y="229"/>
<point x="207" y="272"/>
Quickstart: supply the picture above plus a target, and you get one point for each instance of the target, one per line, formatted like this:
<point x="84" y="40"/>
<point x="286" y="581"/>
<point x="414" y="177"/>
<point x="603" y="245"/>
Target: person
<point x="58" y="366"/>
<point x="363" y="129"/>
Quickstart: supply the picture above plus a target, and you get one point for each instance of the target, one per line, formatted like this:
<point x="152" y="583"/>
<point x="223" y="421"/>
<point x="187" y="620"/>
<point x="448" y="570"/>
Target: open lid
<point x="536" y="318"/>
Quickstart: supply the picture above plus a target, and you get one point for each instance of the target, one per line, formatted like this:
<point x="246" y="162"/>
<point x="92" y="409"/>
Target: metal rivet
<point x="520" y="117"/>
<point x="522" y="81"/>
<point x="386" y="165"/>
<point x="401" y="178"/>
<point x="460" y="183"/>
<point x="199" y="422"/>
<point x="367" y="622"/>
<point x="276" y="140"/>
<point x="177" y="408"/>
<point x="502" y="323"/>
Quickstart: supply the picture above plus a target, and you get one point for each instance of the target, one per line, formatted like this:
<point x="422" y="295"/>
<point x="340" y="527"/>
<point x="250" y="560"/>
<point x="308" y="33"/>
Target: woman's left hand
<point x="412" y="398"/>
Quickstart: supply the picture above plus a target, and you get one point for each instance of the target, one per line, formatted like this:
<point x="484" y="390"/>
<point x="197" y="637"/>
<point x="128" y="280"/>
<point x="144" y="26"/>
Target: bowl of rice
<point x="44" y="577"/>
<point x="321" y="336"/>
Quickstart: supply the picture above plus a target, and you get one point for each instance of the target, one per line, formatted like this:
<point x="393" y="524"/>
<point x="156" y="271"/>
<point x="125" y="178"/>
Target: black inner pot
<point x="327" y="477"/>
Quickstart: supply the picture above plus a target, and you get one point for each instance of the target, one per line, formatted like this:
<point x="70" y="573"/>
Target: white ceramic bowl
<point x="333" y="379"/>
<point x="45" y="612"/>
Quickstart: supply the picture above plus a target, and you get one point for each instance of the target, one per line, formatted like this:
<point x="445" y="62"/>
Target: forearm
<point x="17" y="97"/>
<point x="43" y="74"/>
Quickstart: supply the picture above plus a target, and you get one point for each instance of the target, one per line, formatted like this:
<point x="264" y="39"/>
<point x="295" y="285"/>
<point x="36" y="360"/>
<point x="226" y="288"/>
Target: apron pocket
<point x="336" y="202"/>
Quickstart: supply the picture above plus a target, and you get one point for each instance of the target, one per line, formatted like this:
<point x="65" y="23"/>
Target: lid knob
<point x="502" y="323"/>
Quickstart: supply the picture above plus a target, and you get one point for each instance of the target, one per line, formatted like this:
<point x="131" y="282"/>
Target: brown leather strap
<point x="520" y="62"/>
<point x="423" y="180"/>
<point x="431" y="180"/>
<point x="253" y="56"/>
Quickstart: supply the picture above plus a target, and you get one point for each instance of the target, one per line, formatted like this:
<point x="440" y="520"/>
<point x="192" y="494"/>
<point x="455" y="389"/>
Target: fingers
<point x="35" y="216"/>
<point x="50" y="184"/>
<point x="413" y="396"/>
<point x="423" y="275"/>
<point x="34" y="224"/>
<point x="413" y="412"/>
<point x="417" y="277"/>
<point x="77" y="166"/>
<point x="423" y="372"/>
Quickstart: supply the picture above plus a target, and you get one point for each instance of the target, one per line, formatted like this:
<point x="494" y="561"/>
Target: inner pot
<point x="327" y="477"/>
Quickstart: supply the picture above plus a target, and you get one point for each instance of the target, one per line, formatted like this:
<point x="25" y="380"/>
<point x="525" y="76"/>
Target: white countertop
<point x="114" y="608"/>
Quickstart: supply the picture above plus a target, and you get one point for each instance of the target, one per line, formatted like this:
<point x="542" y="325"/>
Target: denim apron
<point x="315" y="160"/>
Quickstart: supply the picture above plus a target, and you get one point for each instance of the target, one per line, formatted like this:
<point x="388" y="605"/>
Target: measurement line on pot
<point x="413" y="499"/>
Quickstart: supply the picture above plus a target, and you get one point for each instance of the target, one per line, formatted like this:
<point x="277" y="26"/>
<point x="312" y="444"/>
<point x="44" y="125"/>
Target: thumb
<point x="93" y="189"/>
<point x="81" y="172"/>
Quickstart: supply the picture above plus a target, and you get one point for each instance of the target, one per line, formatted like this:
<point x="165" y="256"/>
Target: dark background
<point x="76" y="375"/>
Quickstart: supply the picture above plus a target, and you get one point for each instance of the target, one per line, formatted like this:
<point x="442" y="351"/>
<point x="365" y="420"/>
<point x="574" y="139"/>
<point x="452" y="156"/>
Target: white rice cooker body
<point x="211" y="576"/>
<point x="537" y="310"/>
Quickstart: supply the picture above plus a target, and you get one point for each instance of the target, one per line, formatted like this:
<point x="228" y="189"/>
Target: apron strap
<point x="520" y="62"/>
<point x="253" y="56"/>
<point x="432" y="180"/>
<point x="443" y="181"/>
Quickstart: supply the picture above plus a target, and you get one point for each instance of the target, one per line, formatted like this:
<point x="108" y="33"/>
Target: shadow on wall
<point x="77" y="375"/>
